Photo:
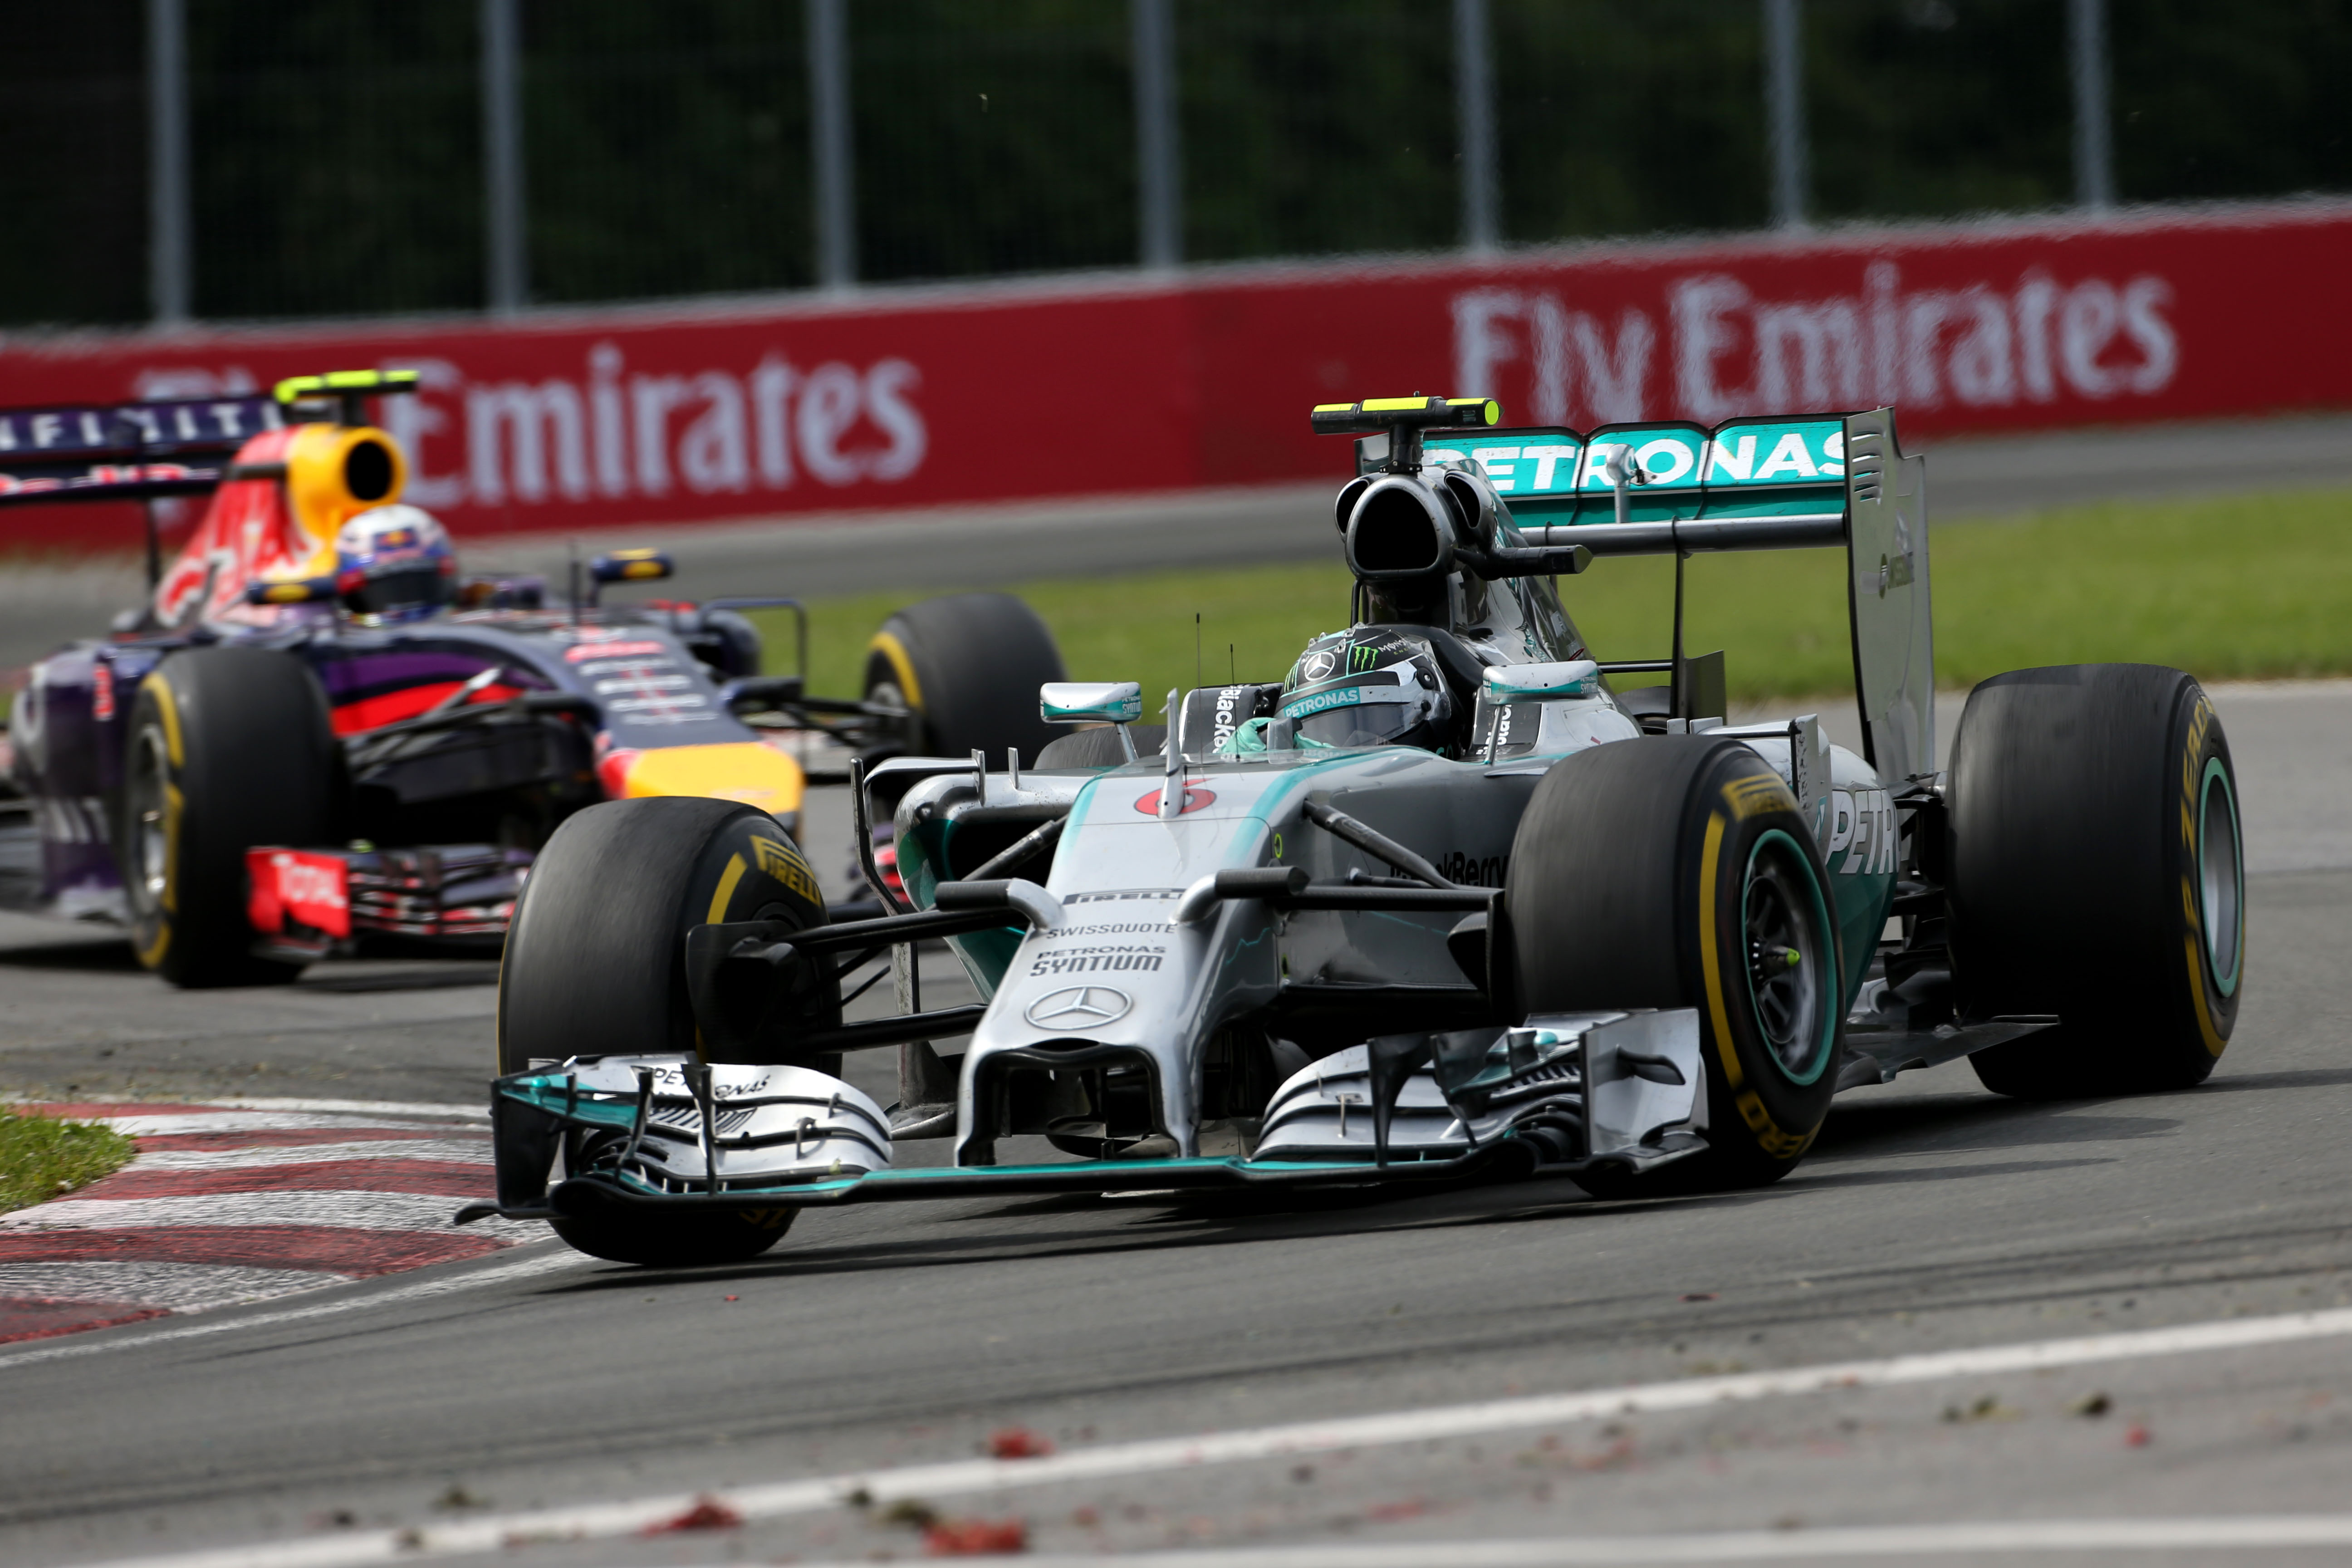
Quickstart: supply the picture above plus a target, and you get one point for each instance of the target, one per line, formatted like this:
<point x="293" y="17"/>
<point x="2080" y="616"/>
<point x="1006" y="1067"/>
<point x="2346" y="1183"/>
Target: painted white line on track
<point x="359" y="1108"/>
<point x="2276" y="1532"/>
<point x="965" y="1477"/>
<point x="338" y="1210"/>
<point x="535" y="1262"/>
<point x="174" y="1287"/>
<point x="459" y="1149"/>
<point x="2252" y="1532"/>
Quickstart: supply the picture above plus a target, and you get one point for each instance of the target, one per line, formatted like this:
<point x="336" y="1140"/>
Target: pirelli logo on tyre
<point x="780" y="861"/>
<point x="1760" y="792"/>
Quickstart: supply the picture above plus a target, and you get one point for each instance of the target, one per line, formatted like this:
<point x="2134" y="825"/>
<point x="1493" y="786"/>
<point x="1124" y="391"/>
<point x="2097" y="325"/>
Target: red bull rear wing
<point x="127" y="451"/>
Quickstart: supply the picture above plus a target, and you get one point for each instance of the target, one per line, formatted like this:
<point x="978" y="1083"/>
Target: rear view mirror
<point x="1571" y="677"/>
<point x="631" y="566"/>
<point x="1090" y="702"/>
<point x="307" y="590"/>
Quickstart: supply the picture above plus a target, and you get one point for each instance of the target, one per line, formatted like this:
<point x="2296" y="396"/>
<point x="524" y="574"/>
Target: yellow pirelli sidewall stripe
<point x="168" y="901"/>
<point x="725" y="893"/>
<point x="901" y="667"/>
<point x="169" y="711"/>
<point x="1749" y="1104"/>
<point x="749" y="771"/>
<point x="2201" y="719"/>
<point x="2214" y="1043"/>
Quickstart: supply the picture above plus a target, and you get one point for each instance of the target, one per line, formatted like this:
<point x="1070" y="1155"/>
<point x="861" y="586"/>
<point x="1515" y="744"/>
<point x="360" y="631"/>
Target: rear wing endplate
<point x="1751" y="484"/>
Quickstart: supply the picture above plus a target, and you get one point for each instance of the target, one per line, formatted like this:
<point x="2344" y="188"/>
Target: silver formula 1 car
<point x="1453" y="900"/>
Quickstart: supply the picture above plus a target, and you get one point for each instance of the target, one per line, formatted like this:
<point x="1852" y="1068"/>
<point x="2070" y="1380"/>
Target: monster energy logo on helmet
<point x="1369" y="686"/>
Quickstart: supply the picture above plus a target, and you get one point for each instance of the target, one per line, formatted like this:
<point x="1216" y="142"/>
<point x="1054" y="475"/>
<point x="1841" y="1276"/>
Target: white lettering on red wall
<point x="627" y="417"/>
<point x="1732" y="350"/>
<point x="612" y="433"/>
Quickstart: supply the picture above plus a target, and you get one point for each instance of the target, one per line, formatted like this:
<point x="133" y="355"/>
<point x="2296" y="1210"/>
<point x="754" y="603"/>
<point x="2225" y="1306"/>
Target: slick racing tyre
<point x="595" y="959"/>
<point x="2097" y="873"/>
<point x="230" y="748"/>
<point x="1676" y="872"/>
<point x="966" y="668"/>
<point x="595" y="965"/>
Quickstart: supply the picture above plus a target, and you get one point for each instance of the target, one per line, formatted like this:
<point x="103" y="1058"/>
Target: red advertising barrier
<point x="909" y="397"/>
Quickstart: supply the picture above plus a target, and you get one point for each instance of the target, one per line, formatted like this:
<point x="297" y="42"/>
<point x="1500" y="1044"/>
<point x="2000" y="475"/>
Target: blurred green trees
<point x="337" y="148"/>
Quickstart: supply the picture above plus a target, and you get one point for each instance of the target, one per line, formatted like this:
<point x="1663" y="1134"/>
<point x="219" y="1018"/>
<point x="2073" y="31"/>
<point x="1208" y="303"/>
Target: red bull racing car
<point x="318" y="732"/>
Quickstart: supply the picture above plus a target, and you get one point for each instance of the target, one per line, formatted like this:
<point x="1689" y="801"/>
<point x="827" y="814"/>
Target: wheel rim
<point x="2220" y="876"/>
<point x="1782" y="914"/>
<point x="886" y="694"/>
<point x="151" y="832"/>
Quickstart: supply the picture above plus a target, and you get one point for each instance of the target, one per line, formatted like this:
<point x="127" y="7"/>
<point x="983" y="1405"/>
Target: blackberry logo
<point x="1472" y="872"/>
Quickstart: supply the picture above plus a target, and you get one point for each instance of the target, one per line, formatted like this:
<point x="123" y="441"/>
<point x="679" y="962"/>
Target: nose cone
<point x="749" y="771"/>
<point x="1100" y="1022"/>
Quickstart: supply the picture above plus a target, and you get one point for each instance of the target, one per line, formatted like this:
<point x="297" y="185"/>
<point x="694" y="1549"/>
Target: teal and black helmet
<point x="1369" y="686"/>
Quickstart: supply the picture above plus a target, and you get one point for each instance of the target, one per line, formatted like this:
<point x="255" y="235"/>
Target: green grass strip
<point x="2233" y="587"/>
<point x="42" y="1157"/>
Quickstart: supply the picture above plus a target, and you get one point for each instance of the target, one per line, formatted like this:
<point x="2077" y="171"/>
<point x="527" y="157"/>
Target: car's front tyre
<point x="1676" y="872"/>
<point x="595" y="965"/>
<point x="230" y="748"/>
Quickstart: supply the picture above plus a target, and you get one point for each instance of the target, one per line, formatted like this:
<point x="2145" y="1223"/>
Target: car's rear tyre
<point x="967" y="668"/>
<point x="230" y="748"/>
<point x="595" y="965"/>
<point x="1098" y="747"/>
<point x="595" y="959"/>
<point x="1676" y="872"/>
<point x="2097" y="872"/>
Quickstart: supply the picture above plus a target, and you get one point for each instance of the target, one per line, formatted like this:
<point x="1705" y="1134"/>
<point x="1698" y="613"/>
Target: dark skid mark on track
<point x="1210" y="1227"/>
<point x="1944" y="1172"/>
<point x="1862" y="1129"/>
<point x="98" y="956"/>
<point x="2308" y="1078"/>
<point x="438" y="977"/>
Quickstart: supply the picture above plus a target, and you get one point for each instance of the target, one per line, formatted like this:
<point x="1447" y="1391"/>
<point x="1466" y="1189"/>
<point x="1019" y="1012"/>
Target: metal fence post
<point x="2095" y="153"/>
<point x="168" y="283"/>
<point x="1474" y="107"/>
<point x="1784" y="111"/>
<point x="507" y="270"/>
<point x="830" y="144"/>
<point x="1160" y="186"/>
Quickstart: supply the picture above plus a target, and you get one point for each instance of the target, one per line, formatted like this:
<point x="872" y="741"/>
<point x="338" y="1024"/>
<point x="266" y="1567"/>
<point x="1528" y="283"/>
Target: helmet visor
<point x="421" y="586"/>
<point x="1367" y="710"/>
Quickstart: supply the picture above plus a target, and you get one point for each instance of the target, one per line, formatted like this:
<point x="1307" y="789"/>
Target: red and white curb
<point x="227" y="1204"/>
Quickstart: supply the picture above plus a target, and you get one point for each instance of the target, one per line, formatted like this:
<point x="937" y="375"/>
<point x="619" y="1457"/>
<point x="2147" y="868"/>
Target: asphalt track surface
<point x="978" y="547"/>
<point x="386" y="1420"/>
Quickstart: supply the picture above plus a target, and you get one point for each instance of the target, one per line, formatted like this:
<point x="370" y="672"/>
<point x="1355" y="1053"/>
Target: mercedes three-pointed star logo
<point x="1078" y="1007"/>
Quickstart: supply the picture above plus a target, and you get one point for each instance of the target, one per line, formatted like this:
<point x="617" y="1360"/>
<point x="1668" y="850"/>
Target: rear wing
<point x="166" y="446"/>
<point x="127" y="451"/>
<point x="1674" y="489"/>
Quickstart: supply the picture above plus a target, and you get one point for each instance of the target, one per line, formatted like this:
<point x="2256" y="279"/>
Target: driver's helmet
<point x="1369" y="686"/>
<point x="394" y="563"/>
